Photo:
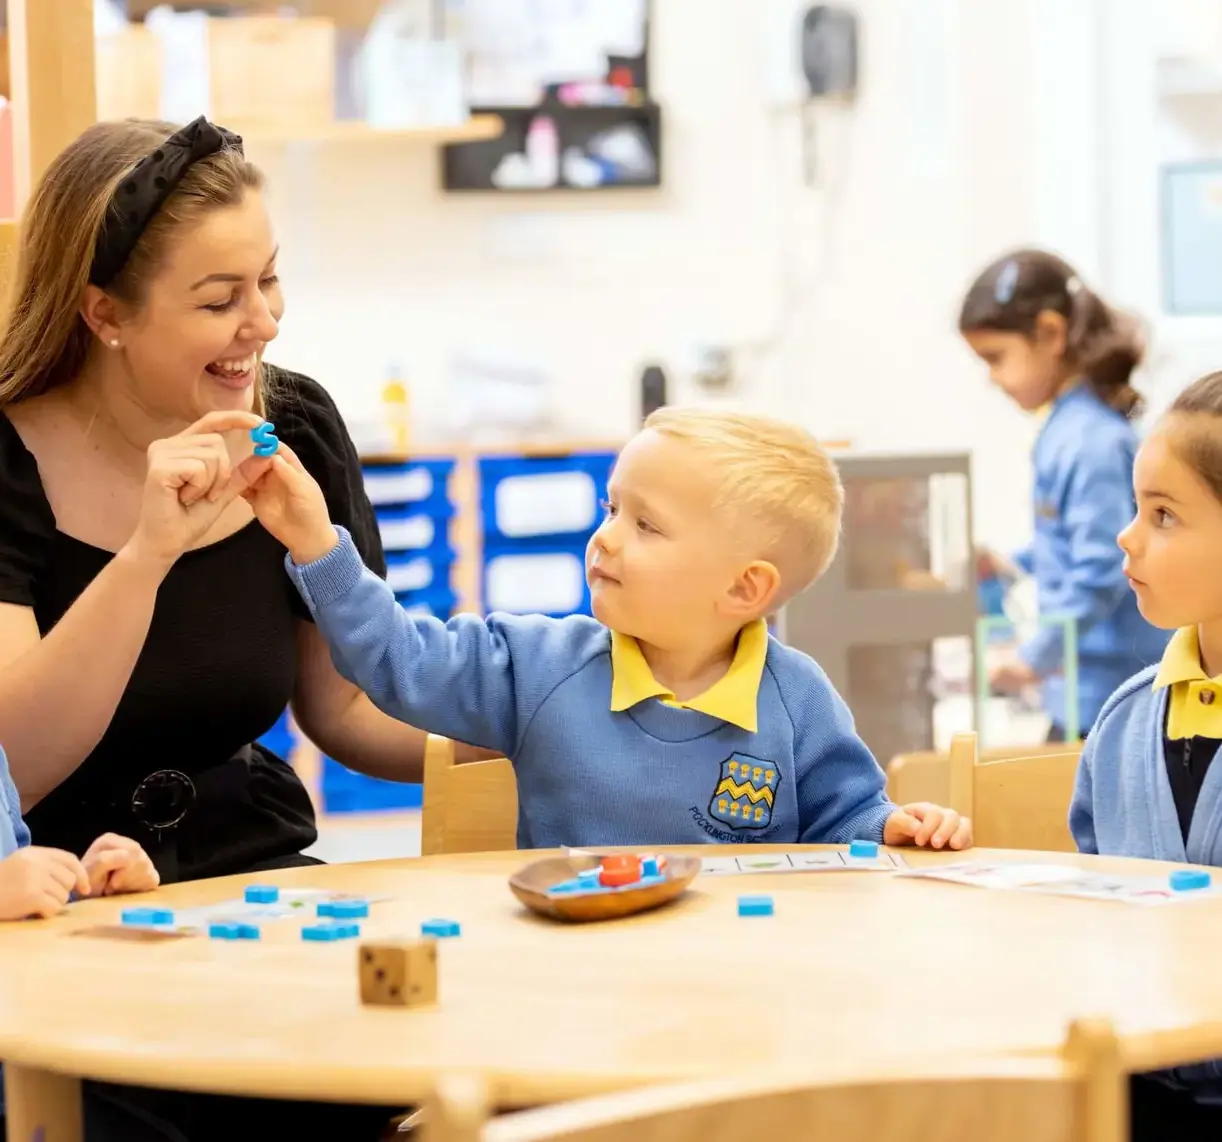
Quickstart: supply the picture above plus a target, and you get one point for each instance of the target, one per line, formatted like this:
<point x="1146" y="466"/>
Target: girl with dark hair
<point x="1052" y="343"/>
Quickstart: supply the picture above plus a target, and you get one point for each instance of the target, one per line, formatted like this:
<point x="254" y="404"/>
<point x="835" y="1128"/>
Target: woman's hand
<point x="290" y="504"/>
<point x="190" y="481"/>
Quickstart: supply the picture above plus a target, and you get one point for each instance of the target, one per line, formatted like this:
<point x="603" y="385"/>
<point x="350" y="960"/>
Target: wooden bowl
<point x="530" y="885"/>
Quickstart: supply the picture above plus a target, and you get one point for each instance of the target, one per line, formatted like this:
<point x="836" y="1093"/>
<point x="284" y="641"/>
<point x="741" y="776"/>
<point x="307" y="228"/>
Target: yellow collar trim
<point x="1194" y="701"/>
<point x="733" y="698"/>
<point x="1181" y="660"/>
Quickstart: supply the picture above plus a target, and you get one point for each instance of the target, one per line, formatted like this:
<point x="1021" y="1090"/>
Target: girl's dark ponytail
<point x="1106" y="345"/>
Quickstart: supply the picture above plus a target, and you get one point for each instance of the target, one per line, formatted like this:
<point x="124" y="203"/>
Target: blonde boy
<point x="670" y="718"/>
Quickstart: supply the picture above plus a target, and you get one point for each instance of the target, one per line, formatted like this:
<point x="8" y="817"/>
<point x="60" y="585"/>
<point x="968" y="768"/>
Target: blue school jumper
<point x="14" y="835"/>
<point x="1123" y="805"/>
<point x="603" y="755"/>
<point x="1083" y="499"/>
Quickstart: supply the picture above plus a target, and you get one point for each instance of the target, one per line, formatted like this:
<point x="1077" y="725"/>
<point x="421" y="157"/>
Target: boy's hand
<point x="38" y="882"/>
<point x="923" y="824"/>
<point x="290" y="504"/>
<point x="117" y="864"/>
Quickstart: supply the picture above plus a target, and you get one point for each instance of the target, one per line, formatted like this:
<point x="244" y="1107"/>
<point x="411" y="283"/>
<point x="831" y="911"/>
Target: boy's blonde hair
<point x="781" y="486"/>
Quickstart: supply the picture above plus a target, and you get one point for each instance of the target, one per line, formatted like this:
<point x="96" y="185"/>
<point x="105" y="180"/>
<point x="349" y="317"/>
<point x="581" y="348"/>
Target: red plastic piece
<point x="619" y="869"/>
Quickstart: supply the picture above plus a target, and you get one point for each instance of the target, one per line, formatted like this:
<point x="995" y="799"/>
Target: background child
<point x="1146" y="784"/>
<point x="1048" y="341"/>
<point x="674" y="718"/>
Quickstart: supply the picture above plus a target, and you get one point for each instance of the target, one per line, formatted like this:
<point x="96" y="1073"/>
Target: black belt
<point x="165" y="799"/>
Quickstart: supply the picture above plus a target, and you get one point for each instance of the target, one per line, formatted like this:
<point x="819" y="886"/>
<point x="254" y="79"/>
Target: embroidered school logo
<point x="745" y="793"/>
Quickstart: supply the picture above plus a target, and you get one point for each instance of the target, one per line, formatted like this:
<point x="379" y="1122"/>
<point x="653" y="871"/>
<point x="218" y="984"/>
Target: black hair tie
<point x="144" y="191"/>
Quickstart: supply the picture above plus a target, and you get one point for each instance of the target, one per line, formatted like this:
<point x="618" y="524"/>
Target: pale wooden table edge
<point x="510" y="1088"/>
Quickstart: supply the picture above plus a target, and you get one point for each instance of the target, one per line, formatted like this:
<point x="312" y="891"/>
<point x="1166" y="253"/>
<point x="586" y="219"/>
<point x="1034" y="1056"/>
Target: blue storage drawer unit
<point x="528" y="499"/>
<point x="344" y="791"/>
<point x="419" y="570"/>
<point x="412" y="482"/>
<point x="536" y="579"/>
<point x="415" y="527"/>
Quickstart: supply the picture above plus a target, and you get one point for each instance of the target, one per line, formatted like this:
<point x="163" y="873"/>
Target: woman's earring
<point x="115" y="343"/>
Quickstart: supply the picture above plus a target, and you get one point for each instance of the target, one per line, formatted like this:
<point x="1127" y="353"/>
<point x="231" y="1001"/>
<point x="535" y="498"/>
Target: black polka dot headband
<point x="143" y="193"/>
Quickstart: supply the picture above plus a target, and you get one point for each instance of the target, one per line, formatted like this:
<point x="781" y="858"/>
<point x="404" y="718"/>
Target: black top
<point x="217" y="668"/>
<point x="1188" y="760"/>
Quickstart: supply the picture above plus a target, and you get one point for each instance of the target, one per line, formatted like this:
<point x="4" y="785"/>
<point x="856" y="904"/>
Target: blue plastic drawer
<point x="280" y="739"/>
<point x="414" y="482"/>
<point x="437" y="601"/>
<point x="419" y="571"/>
<point x="531" y="498"/>
<point x="534" y="580"/>
<point x="414" y="527"/>
<point x="344" y="791"/>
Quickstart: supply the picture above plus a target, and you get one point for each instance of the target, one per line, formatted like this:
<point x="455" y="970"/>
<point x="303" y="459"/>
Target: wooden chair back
<point x="1018" y="803"/>
<point x="1079" y="1096"/>
<point x="470" y="800"/>
<point x="925" y="774"/>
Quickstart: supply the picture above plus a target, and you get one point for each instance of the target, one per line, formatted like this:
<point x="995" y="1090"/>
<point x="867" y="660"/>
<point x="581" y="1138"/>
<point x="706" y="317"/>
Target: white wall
<point x="971" y="134"/>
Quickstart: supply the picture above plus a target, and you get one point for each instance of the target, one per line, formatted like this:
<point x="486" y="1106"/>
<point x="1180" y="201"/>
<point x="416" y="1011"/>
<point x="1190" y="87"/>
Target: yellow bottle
<point x="396" y="407"/>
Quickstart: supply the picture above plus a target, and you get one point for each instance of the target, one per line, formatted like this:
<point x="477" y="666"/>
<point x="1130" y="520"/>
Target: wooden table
<point x="860" y="969"/>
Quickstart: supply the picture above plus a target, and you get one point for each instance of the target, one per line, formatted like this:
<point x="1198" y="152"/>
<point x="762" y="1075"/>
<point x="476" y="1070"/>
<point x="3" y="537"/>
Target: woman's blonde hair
<point x="44" y="341"/>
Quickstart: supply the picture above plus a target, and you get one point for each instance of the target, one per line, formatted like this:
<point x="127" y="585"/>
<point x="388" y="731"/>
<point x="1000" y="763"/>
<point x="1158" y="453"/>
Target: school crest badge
<point x="746" y="793"/>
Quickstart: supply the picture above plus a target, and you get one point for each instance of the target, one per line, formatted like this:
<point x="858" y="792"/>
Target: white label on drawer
<point x="399" y="487"/>
<point x="532" y="584"/>
<point x="407" y="534"/>
<point x="410" y="576"/>
<point x="553" y="504"/>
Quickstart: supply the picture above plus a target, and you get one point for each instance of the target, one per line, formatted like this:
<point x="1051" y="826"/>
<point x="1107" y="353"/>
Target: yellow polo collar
<point x="1194" y="704"/>
<point x="732" y="698"/>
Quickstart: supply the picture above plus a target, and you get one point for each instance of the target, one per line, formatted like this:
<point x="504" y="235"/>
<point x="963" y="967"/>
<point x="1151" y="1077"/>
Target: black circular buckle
<point x="163" y="798"/>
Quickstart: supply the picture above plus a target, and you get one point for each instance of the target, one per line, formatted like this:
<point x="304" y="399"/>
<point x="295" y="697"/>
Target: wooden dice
<point x="398" y="974"/>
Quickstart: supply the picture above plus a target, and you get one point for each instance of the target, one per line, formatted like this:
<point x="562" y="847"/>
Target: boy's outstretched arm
<point x="455" y="678"/>
<point x="458" y="679"/>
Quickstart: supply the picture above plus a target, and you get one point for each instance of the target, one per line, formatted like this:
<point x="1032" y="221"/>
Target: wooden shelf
<point x="476" y="129"/>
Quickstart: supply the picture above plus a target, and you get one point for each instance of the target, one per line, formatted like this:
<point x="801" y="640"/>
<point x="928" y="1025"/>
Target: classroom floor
<point x="344" y="839"/>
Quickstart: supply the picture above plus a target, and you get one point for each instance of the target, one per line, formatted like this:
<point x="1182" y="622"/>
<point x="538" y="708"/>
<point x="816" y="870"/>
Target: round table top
<point x="856" y="968"/>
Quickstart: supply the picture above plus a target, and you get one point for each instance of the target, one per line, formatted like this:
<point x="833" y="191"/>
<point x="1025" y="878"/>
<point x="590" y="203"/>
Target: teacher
<point x="148" y="631"/>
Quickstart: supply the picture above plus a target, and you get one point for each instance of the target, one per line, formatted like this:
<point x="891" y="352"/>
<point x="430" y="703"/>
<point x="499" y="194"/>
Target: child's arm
<point x="841" y="788"/>
<point x="1081" y="806"/>
<point x="1096" y="507"/>
<point x="459" y="679"/>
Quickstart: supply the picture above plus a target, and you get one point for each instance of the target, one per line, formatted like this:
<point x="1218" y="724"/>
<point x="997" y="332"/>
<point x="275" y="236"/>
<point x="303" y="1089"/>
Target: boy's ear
<point x="754" y="590"/>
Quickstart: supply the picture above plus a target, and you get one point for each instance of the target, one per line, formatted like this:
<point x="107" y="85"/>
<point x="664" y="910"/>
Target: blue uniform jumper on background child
<point x="1051" y="343"/>
<point x="670" y="718"/>
<point x="1148" y="783"/>
<point x="1083" y="499"/>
